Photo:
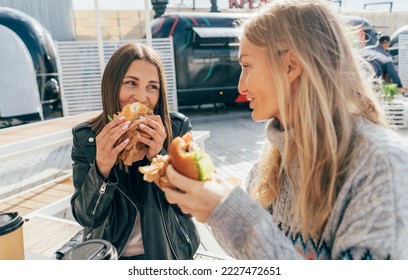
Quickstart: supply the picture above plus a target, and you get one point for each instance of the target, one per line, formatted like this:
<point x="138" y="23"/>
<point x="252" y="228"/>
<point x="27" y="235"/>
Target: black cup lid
<point x="10" y="222"/>
<point x="95" y="249"/>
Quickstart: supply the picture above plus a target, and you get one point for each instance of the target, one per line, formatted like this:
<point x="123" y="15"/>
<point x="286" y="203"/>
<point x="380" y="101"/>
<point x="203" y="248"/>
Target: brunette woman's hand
<point x="154" y="128"/>
<point x="107" y="148"/>
<point x="197" y="198"/>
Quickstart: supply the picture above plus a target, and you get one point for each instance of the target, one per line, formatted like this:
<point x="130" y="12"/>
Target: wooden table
<point x="23" y="139"/>
<point x="40" y="198"/>
<point x="44" y="234"/>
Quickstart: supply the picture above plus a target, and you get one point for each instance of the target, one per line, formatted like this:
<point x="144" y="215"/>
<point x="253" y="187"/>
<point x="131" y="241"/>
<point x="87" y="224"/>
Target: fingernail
<point x="125" y="127"/>
<point x="142" y="118"/>
<point x="127" y="140"/>
<point x="142" y="125"/>
<point x="121" y="117"/>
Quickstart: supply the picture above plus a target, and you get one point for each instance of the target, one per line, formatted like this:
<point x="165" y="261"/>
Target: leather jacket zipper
<point x="182" y="229"/>
<point x="102" y="191"/>
<point x="165" y="227"/>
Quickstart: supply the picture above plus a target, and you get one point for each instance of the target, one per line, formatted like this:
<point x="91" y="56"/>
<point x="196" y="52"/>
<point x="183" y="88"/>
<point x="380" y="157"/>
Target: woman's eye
<point x="153" y="87"/>
<point x="130" y="83"/>
<point x="244" y="67"/>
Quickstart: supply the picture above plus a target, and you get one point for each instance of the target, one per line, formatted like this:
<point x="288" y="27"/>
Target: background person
<point x="379" y="57"/>
<point x="114" y="203"/>
<point x="331" y="181"/>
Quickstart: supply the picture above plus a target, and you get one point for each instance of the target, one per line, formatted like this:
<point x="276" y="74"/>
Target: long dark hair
<point x="112" y="78"/>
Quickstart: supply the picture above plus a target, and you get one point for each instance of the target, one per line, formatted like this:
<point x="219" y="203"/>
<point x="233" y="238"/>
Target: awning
<point x="217" y="32"/>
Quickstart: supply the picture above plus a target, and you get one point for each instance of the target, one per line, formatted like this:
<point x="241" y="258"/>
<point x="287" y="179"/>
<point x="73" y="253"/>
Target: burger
<point x="186" y="157"/>
<point x="134" y="150"/>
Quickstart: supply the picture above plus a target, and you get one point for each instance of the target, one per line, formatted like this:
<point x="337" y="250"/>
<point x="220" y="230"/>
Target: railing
<point x="26" y="139"/>
<point x="24" y="147"/>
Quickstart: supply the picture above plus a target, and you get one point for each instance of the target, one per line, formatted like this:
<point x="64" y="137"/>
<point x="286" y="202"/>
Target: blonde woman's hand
<point x="197" y="198"/>
<point x="155" y="135"/>
<point x="107" y="148"/>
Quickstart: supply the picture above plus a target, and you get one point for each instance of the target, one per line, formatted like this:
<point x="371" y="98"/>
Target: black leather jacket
<point x="107" y="209"/>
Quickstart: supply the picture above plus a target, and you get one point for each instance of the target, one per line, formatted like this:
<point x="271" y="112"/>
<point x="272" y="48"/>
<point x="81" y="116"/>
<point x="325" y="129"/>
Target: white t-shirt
<point x="135" y="245"/>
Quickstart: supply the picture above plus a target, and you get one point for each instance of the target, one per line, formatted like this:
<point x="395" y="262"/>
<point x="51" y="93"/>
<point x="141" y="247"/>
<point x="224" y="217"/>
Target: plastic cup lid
<point x="95" y="249"/>
<point x="10" y="222"/>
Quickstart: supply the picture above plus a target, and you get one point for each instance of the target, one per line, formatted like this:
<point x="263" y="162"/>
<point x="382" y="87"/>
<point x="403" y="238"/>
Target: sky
<point x="349" y="5"/>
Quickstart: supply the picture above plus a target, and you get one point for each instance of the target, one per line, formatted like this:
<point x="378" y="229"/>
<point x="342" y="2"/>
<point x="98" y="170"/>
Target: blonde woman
<point x="332" y="180"/>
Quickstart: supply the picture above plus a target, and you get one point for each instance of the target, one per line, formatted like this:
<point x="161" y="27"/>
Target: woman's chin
<point x="257" y="117"/>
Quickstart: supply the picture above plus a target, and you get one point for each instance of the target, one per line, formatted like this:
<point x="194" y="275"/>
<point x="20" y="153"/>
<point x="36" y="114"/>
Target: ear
<point x="293" y="67"/>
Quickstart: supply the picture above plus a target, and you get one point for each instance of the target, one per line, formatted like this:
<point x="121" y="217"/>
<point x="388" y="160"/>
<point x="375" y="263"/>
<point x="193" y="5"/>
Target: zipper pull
<point x="88" y="236"/>
<point x="103" y="188"/>
<point x="187" y="238"/>
<point x="101" y="193"/>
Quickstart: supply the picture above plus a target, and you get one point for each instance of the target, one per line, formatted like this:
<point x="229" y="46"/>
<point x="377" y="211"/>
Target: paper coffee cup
<point x="11" y="236"/>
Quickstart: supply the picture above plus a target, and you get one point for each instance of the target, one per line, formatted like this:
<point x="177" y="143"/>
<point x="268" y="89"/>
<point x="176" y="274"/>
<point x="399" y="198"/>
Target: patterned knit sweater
<point x="369" y="219"/>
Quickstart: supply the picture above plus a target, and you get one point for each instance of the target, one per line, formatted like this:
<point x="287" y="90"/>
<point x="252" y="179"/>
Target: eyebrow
<point x="137" y="79"/>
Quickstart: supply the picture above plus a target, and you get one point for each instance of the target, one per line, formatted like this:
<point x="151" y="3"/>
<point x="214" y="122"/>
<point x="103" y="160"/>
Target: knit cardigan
<point x="369" y="219"/>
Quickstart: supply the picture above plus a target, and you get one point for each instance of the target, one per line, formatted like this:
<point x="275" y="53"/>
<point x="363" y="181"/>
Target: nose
<point x="242" y="89"/>
<point x="141" y="95"/>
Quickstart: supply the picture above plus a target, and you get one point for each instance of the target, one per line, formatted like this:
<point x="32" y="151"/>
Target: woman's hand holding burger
<point x="146" y="133"/>
<point x="187" y="177"/>
<point x="130" y="135"/>
<point x="197" y="198"/>
<point x="107" y="148"/>
<point x="154" y="137"/>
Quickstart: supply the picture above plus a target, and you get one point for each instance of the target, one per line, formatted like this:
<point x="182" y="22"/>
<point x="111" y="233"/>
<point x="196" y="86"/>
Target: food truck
<point x="395" y="43"/>
<point x="205" y="55"/>
<point x="29" y="87"/>
<point x="403" y="30"/>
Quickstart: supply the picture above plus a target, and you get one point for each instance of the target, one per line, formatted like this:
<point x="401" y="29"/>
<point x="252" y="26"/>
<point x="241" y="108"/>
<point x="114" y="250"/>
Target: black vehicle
<point x="394" y="44"/>
<point x="40" y="45"/>
<point x="395" y="36"/>
<point x="205" y="55"/>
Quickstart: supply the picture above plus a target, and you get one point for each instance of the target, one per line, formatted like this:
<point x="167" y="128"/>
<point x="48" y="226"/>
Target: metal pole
<point x="99" y="37"/>
<point x="148" y="30"/>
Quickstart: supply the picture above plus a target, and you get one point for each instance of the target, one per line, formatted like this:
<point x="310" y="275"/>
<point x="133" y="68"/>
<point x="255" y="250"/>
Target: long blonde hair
<point x="331" y="90"/>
